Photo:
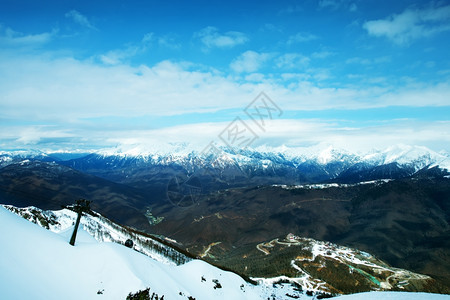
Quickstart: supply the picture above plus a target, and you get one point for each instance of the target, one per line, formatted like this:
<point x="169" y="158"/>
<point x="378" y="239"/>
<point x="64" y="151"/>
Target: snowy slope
<point x="38" y="264"/>
<point x="415" y="156"/>
<point x="102" y="229"/>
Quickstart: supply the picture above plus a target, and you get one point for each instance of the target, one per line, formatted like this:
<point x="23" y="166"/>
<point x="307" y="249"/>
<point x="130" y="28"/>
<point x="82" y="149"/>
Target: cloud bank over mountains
<point x="365" y="78"/>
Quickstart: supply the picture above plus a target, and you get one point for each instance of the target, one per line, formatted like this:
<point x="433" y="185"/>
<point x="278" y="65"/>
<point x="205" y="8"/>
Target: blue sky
<point x="355" y="74"/>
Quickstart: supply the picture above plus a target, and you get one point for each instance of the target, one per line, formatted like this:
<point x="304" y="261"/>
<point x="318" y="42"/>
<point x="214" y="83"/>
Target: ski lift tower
<point x="82" y="205"/>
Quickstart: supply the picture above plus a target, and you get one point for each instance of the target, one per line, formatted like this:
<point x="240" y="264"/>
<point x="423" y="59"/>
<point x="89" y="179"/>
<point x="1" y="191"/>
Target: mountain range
<point x="221" y="167"/>
<point x="225" y="204"/>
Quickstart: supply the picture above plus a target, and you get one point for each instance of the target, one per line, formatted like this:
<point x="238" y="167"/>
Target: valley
<point x="248" y="218"/>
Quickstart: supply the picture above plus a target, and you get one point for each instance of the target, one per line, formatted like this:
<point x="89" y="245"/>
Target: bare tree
<point x="82" y="205"/>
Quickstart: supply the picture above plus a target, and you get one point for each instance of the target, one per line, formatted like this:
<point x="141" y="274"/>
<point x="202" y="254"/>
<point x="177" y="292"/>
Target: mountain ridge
<point x="323" y="155"/>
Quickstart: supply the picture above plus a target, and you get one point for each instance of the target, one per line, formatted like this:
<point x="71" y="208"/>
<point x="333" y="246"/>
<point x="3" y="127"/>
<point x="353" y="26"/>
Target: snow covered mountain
<point x="326" y="162"/>
<point x="103" y="230"/>
<point x="36" y="263"/>
<point x="218" y="168"/>
<point x="402" y="154"/>
<point x="221" y="167"/>
<point x="414" y="156"/>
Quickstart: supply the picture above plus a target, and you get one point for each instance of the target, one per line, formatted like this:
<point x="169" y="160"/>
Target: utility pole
<point x="81" y="206"/>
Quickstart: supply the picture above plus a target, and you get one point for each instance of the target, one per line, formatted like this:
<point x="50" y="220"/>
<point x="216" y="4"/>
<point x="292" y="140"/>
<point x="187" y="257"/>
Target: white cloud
<point x="11" y="38"/>
<point x="334" y="4"/>
<point x="292" y="61"/>
<point x="255" y="77"/>
<point x="418" y="95"/>
<point x="12" y="136"/>
<point x="288" y="132"/>
<point x="298" y="133"/>
<point x="117" y="56"/>
<point x="147" y="38"/>
<point x="82" y="20"/>
<point x="322" y="54"/>
<point x="168" y="42"/>
<point x="211" y="38"/>
<point x="74" y="96"/>
<point x="337" y="4"/>
<point x="271" y="28"/>
<point x="249" y="61"/>
<point x="44" y="88"/>
<point x="34" y="134"/>
<point x="301" y="37"/>
<point x="358" y="60"/>
<point x="368" y="61"/>
<point x="291" y="9"/>
<point x="410" y="25"/>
